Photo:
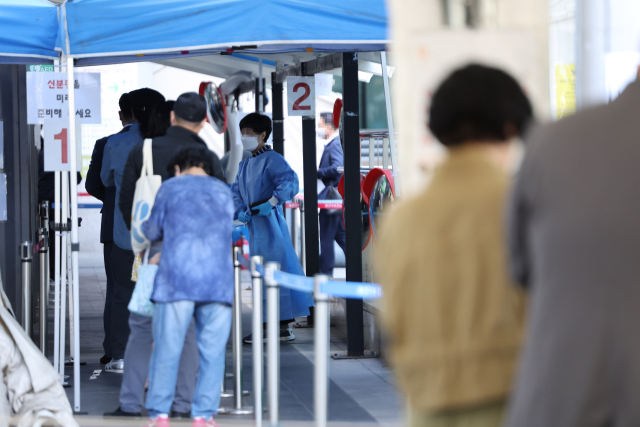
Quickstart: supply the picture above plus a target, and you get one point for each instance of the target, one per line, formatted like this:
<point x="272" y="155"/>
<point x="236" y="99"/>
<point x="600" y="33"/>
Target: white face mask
<point x="321" y="133"/>
<point x="250" y="142"/>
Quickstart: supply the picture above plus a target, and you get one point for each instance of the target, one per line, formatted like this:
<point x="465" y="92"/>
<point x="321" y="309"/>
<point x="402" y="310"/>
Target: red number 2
<point x="62" y="136"/>
<point x="307" y="92"/>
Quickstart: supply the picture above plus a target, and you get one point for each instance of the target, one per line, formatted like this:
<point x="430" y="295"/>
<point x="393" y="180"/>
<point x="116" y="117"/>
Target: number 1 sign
<point x="301" y="96"/>
<point x="57" y="145"/>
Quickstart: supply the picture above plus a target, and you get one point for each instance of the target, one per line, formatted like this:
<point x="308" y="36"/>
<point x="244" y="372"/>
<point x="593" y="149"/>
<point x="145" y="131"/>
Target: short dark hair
<point x="189" y="157"/>
<point x="475" y="103"/>
<point x="258" y="123"/>
<point x="142" y="102"/>
<point x="125" y="106"/>
<point x="328" y="119"/>
<point x="160" y="119"/>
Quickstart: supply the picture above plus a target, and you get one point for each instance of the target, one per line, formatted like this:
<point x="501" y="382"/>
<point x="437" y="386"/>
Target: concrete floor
<point x="362" y="392"/>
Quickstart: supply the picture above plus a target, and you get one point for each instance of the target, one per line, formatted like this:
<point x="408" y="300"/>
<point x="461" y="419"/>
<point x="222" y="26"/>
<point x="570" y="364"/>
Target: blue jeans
<point x="170" y="323"/>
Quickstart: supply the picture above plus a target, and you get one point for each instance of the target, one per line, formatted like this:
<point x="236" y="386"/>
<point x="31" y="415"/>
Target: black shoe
<point x="105" y="359"/>
<point x="286" y="334"/>
<point x="180" y="415"/>
<point x="120" y="413"/>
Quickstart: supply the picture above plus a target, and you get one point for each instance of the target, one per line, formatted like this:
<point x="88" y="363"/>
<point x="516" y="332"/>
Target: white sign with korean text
<point x="57" y="147"/>
<point x="48" y="97"/>
<point x="301" y="96"/>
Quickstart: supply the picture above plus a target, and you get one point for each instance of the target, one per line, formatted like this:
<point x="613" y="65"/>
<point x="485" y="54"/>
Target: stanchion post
<point x="273" y="342"/>
<point x="44" y="286"/>
<point x="26" y="257"/>
<point x="321" y="372"/>
<point x="294" y="231"/>
<point x="303" y="255"/>
<point x="236" y="339"/>
<point x="44" y="216"/>
<point x="258" y="347"/>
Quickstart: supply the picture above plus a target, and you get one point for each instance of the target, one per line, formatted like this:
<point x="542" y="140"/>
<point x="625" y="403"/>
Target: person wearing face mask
<point x="263" y="183"/>
<point x="331" y="225"/>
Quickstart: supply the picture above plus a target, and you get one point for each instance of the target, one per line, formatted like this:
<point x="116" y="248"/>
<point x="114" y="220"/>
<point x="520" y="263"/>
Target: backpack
<point x="145" y="195"/>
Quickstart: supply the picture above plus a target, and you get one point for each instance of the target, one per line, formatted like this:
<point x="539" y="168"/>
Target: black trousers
<point x="121" y="265"/>
<point x="108" y="302"/>
<point x="331" y="228"/>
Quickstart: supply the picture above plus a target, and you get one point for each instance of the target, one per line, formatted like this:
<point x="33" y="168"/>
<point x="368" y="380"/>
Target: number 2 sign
<point x="57" y="145"/>
<point x="301" y="96"/>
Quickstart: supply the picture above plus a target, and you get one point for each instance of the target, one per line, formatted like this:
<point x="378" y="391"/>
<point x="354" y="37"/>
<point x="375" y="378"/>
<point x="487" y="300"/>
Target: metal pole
<point x="75" y="245"/>
<point x="44" y="287"/>
<point x="273" y="342"/>
<point x="26" y="256"/>
<point x="44" y="216"/>
<point x="236" y="336"/>
<point x="294" y="231"/>
<point x="260" y="88"/>
<point x="352" y="209"/>
<point x="277" y="108"/>
<point x="56" y="276"/>
<point x="258" y="347"/>
<point x="321" y="371"/>
<point x="387" y="101"/>
<point x="72" y="351"/>
<point x="63" y="271"/>
<point x="303" y="252"/>
<point x="310" y="224"/>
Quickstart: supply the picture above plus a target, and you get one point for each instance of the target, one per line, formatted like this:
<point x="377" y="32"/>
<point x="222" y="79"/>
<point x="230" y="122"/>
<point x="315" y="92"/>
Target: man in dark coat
<point x="107" y="195"/>
<point x="181" y="134"/>
<point x="331" y="225"/>
<point x="575" y="245"/>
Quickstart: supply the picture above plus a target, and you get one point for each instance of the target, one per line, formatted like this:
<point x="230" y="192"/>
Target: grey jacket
<point x="574" y="227"/>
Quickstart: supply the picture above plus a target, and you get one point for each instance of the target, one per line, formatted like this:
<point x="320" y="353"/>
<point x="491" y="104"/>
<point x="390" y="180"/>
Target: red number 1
<point x="307" y="92"/>
<point x="62" y="136"/>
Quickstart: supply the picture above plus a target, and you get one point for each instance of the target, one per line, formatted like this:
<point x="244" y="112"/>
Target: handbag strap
<point x="145" y="258"/>
<point x="147" y="158"/>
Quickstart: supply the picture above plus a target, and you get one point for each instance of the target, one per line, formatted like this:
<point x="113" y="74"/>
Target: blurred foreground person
<point x="30" y="389"/>
<point x="575" y="244"/>
<point x="193" y="215"/>
<point x="454" y="317"/>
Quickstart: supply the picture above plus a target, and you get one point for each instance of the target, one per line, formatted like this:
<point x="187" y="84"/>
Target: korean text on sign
<point x="48" y="97"/>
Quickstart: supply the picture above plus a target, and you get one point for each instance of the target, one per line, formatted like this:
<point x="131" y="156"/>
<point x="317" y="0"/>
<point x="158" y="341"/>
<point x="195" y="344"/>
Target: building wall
<point x="20" y="167"/>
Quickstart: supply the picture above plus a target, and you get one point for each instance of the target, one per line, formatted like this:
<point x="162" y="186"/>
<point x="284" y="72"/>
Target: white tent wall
<point x="415" y="20"/>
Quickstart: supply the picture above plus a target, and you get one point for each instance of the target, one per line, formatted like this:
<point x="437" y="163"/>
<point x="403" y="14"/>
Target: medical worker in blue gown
<point x="264" y="182"/>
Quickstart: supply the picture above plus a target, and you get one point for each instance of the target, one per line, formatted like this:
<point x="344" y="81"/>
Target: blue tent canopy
<point x="99" y="28"/>
<point x="29" y="29"/>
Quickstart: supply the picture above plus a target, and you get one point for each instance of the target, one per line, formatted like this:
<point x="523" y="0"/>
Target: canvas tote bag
<point x="146" y="188"/>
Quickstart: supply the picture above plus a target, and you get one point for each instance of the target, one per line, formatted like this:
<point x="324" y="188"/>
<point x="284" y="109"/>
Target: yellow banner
<point x="565" y="90"/>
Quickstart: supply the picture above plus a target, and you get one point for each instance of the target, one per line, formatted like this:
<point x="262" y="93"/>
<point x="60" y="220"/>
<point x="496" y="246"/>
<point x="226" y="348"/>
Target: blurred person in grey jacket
<point x="574" y="226"/>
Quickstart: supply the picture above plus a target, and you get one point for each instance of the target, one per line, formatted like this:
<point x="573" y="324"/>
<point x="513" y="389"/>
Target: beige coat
<point x="454" y="318"/>
<point x="30" y="387"/>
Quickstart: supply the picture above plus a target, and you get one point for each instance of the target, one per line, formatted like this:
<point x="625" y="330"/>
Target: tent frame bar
<point x="310" y="68"/>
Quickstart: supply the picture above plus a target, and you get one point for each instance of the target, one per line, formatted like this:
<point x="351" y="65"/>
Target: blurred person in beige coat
<point x="31" y="394"/>
<point x="454" y="318"/>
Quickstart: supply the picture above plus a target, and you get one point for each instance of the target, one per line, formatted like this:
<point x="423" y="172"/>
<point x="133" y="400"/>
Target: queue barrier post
<point x="26" y="257"/>
<point x="303" y="255"/>
<point x="321" y="339"/>
<point x="273" y="341"/>
<point x="236" y="340"/>
<point x="43" y="249"/>
<point x="257" y="334"/>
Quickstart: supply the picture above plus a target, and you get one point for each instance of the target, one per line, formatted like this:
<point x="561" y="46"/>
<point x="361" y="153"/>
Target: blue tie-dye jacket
<point x="193" y="215"/>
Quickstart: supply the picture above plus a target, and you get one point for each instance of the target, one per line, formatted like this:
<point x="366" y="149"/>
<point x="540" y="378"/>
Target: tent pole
<point x="387" y="101"/>
<point x="75" y="246"/>
<point x="310" y="174"/>
<point x="278" y="115"/>
<point x="352" y="216"/>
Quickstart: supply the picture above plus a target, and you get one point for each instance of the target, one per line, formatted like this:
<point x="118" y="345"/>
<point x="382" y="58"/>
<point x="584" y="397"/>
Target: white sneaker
<point x="116" y="366"/>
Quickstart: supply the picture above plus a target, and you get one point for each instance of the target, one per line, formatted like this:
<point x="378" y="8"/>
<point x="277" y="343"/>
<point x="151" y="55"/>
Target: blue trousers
<point x="331" y="228"/>
<point x="170" y="323"/>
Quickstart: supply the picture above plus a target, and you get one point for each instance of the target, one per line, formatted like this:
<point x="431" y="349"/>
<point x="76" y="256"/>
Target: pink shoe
<point x="201" y="422"/>
<point x="161" y="420"/>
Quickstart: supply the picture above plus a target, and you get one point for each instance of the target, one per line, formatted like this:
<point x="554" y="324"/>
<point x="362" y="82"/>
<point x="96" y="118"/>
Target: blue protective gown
<point x="259" y="178"/>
